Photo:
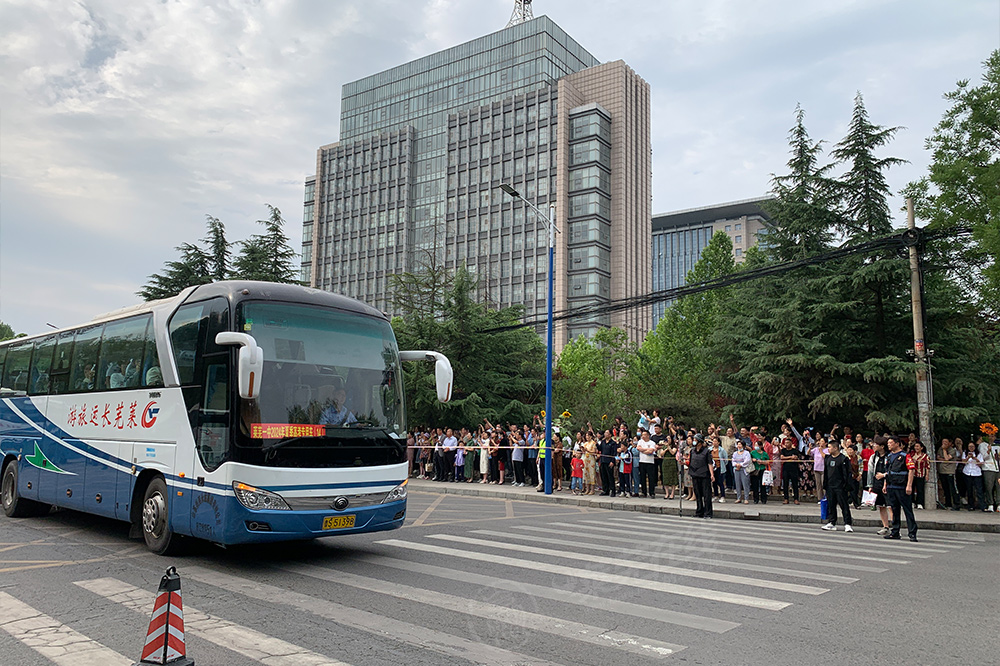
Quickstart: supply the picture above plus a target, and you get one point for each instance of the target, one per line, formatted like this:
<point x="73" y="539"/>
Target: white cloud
<point x="125" y="123"/>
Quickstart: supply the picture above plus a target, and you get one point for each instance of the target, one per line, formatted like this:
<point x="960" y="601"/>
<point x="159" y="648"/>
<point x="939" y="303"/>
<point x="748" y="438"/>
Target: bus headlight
<point x="257" y="499"/>
<point x="396" y="494"/>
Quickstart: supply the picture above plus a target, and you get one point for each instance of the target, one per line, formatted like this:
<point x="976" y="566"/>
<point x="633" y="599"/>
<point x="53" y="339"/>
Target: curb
<point x="750" y="514"/>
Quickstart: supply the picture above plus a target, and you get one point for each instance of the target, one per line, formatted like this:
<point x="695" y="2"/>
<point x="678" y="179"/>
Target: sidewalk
<point x="773" y="511"/>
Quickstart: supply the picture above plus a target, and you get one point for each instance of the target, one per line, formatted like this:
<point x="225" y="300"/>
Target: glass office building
<point x="424" y="147"/>
<point x="680" y="237"/>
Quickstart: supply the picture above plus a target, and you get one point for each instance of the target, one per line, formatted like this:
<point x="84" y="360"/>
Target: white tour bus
<point x="235" y="412"/>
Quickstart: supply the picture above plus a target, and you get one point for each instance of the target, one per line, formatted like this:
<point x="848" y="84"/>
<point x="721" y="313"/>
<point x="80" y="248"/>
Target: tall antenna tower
<point x="522" y="12"/>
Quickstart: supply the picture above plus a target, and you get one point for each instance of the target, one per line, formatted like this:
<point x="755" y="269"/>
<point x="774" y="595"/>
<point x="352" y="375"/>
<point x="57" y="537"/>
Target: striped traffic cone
<point x="165" y="638"/>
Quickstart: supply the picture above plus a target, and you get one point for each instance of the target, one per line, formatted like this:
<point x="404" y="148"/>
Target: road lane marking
<point x="702" y="546"/>
<point x="701" y="533"/>
<point x="52" y="639"/>
<point x="567" y="629"/>
<point x="656" y="552"/>
<point x="243" y="640"/>
<point x="382" y="626"/>
<point x="428" y="511"/>
<point x="643" y="566"/>
<point x="662" y="615"/>
<point x="800" y="534"/>
<point x="576" y="572"/>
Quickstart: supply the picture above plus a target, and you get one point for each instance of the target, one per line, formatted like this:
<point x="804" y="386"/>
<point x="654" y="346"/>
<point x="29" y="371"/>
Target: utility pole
<point x="920" y="355"/>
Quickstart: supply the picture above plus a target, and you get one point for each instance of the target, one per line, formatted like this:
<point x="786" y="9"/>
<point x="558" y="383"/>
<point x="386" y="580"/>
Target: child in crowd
<point x="576" y="480"/>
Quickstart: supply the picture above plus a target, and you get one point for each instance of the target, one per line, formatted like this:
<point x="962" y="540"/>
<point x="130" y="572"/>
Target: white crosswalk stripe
<point x="619" y="562"/>
<point x="663" y="615"/>
<point x="744" y="541"/>
<point x="575" y="572"/>
<point x="653" y="550"/>
<point x="243" y="640"/>
<point x="52" y="639"/>
<point x="617" y="536"/>
<point x="799" y="533"/>
<point x="432" y="639"/>
<point x="566" y="629"/>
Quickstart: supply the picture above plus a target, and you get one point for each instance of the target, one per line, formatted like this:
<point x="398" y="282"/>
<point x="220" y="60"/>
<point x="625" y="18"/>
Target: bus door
<point x="204" y="369"/>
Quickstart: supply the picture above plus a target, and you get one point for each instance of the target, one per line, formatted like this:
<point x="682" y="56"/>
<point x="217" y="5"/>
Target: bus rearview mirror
<point x="444" y="376"/>
<point x="250" y="362"/>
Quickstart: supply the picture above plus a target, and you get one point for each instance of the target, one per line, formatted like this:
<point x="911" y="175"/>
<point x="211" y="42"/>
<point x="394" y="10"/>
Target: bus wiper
<point x="280" y="443"/>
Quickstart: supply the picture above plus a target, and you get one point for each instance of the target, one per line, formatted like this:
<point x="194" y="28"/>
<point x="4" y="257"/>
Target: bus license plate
<point x="338" y="522"/>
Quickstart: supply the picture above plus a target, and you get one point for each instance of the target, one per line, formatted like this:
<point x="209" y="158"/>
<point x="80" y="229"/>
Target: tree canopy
<point x="266" y="257"/>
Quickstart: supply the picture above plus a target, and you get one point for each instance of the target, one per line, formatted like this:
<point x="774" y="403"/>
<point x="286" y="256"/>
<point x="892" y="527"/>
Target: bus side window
<point x="3" y="357"/>
<point x="59" y="374"/>
<point x="15" y="373"/>
<point x="122" y="352"/>
<point x="41" y="365"/>
<point x="83" y="373"/>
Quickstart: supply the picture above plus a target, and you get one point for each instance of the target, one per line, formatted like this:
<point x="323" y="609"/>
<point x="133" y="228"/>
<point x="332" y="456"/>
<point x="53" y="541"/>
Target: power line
<point x="895" y="241"/>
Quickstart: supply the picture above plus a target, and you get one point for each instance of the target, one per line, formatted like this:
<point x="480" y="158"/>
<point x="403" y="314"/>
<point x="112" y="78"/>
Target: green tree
<point x="878" y="282"/>
<point x="267" y="257"/>
<point x="193" y="267"/>
<point x="218" y="248"/>
<point x="591" y="377"/>
<point x="678" y="353"/>
<point x="962" y="188"/>
<point x="802" y="213"/>
<point x="499" y="374"/>
<point x="7" y="332"/>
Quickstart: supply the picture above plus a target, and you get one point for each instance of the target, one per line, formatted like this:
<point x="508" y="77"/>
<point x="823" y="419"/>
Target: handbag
<point x="867" y="498"/>
<point x="767" y="479"/>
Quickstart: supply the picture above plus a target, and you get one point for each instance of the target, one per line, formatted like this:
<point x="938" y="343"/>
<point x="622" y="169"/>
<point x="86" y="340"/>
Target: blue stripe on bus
<point x="39" y="419"/>
<point x="28" y="408"/>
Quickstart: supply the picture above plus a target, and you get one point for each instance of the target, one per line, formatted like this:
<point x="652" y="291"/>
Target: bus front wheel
<point x="14" y="505"/>
<point x="156" y="531"/>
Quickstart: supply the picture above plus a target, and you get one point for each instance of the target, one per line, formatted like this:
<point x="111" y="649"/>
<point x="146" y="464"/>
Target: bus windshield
<point x="324" y="371"/>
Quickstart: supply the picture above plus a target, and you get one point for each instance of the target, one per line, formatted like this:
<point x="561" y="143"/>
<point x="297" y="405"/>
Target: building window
<point x="739" y="227"/>
<point x="729" y="228"/>
<point x="739" y="239"/>
<point x="739" y="253"/>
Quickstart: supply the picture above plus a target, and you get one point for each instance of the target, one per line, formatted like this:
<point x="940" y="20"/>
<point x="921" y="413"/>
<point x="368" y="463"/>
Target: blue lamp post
<point x="550" y="222"/>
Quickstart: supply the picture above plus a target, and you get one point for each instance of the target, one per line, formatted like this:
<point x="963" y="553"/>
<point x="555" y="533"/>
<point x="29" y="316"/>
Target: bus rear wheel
<point x="14" y="505"/>
<point x="156" y="531"/>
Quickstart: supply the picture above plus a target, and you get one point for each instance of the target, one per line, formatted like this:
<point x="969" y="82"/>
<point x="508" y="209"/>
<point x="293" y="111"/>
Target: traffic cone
<point x="165" y="637"/>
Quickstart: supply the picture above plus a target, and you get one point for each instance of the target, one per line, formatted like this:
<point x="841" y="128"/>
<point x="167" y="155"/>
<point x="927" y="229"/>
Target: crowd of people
<point x="668" y="459"/>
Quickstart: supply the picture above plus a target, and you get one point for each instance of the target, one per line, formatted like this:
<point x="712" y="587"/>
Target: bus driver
<point x="337" y="413"/>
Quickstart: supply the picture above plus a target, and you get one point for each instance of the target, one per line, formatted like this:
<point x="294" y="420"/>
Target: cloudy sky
<point x="122" y="124"/>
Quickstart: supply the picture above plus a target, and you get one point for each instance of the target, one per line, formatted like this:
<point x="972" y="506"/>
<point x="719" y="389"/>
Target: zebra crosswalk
<point x="586" y="589"/>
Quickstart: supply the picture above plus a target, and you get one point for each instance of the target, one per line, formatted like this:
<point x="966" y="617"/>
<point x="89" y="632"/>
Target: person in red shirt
<point x="576" y="480"/>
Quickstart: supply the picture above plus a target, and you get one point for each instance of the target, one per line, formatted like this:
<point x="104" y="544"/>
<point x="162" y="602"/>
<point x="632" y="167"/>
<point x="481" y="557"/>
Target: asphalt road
<point x="491" y="581"/>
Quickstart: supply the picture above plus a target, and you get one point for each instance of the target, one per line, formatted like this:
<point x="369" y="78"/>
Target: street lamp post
<point x="550" y="221"/>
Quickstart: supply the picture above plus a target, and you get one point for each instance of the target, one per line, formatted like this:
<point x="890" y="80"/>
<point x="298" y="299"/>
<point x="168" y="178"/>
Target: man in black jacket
<point x="700" y="468"/>
<point x="609" y="449"/>
<point x="836" y="483"/>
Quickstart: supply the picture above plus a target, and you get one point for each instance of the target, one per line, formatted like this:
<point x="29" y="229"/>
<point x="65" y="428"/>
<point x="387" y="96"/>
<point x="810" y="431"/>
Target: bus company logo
<point x="149" y="415"/>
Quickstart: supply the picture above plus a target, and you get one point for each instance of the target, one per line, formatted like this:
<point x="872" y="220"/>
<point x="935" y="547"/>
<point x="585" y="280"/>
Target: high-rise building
<point x="680" y="237"/>
<point x="424" y="147"/>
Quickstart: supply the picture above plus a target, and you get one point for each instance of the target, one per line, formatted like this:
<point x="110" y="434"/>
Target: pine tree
<point x="267" y="257"/>
<point x="498" y="373"/>
<point x="192" y="268"/>
<point x="802" y="212"/>
<point x="878" y="280"/>
<point x="218" y="248"/>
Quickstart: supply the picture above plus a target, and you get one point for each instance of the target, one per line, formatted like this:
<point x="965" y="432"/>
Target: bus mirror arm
<point x="250" y="362"/>
<point x="443" y="374"/>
